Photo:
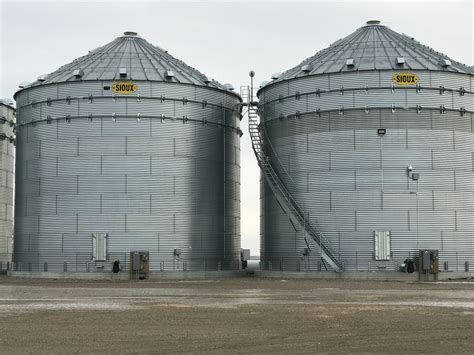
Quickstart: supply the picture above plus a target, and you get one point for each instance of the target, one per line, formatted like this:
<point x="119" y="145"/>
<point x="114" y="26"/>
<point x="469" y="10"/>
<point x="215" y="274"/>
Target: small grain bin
<point x="7" y="171"/>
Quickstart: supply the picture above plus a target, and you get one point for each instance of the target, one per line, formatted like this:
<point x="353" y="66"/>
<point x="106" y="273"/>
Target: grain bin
<point x="7" y="171"/>
<point x="373" y="140"/>
<point x="127" y="149"/>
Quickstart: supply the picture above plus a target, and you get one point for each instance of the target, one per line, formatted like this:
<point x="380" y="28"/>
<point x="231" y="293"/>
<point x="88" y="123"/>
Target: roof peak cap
<point x="373" y="22"/>
<point x="130" y="34"/>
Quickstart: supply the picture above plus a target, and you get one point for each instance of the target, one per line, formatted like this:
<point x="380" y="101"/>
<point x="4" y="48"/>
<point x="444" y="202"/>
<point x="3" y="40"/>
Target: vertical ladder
<point x="282" y="194"/>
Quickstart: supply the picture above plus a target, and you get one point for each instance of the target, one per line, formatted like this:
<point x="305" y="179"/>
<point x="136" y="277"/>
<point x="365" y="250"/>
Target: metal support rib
<point x="284" y="197"/>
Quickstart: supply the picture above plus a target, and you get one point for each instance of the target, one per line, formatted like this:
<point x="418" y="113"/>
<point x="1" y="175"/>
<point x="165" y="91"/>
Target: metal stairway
<point x="283" y="196"/>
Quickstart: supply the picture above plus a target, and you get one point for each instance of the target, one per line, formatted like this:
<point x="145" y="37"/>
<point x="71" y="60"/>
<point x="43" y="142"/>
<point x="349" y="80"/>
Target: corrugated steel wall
<point x="166" y="179"/>
<point x="7" y="181"/>
<point x="352" y="181"/>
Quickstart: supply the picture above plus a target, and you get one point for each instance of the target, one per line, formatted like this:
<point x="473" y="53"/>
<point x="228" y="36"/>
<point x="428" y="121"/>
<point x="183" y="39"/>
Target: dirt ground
<point x="245" y="315"/>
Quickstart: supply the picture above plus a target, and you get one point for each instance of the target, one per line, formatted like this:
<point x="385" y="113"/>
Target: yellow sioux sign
<point x="405" y="79"/>
<point x="124" y="87"/>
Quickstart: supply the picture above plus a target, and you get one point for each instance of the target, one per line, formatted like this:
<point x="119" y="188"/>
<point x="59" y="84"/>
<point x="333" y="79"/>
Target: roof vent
<point x="7" y="102"/>
<point x="306" y="68"/>
<point x="169" y="74"/>
<point x="130" y="33"/>
<point x="207" y="80"/>
<point x="400" y="60"/>
<point x="444" y="62"/>
<point x="275" y="76"/>
<point x="229" y="87"/>
<point x="42" y="77"/>
<point x="78" y="73"/>
<point x="334" y="43"/>
<point x="24" y="84"/>
<point x="123" y="72"/>
<point x="350" y="62"/>
<point x="373" y="22"/>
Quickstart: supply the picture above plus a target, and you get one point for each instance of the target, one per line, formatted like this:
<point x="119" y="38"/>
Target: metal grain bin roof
<point x="374" y="47"/>
<point x="7" y="102"/>
<point x="128" y="57"/>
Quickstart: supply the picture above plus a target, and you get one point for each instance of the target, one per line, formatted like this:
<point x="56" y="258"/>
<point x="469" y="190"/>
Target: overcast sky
<point x="222" y="39"/>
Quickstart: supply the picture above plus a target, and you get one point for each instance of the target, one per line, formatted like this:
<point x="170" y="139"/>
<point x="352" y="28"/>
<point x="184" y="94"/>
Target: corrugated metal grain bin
<point x="7" y="171"/>
<point x="375" y="140"/>
<point x="124" y="149"/>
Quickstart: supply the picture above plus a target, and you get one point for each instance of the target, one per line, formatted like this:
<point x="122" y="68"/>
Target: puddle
<point x="64" y="306"/>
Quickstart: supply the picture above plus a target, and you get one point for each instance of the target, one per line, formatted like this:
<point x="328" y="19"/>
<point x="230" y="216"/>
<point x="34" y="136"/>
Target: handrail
<point x="283" y="195"/>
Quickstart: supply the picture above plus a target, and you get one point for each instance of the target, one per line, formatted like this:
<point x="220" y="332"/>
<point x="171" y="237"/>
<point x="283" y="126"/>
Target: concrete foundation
<point x="177" y="275"/>
<point x="196" y="275"/>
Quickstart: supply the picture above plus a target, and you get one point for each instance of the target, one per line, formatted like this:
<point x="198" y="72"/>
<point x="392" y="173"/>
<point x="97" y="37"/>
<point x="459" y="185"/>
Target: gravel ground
<point x="245" y="315"/>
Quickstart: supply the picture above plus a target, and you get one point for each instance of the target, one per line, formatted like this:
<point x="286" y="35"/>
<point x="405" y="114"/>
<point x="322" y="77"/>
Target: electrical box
<point x="244" y="254"/>
<point x="139" y="264"/>
<point x="428" y="264"/>
<point x="136" y="262"/>
<point x="244" y="257"/>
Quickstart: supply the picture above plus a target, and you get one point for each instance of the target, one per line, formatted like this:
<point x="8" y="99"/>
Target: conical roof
<point x="374" y="47"/>
<point x="128" y="57"/>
